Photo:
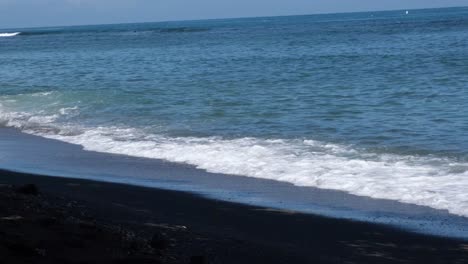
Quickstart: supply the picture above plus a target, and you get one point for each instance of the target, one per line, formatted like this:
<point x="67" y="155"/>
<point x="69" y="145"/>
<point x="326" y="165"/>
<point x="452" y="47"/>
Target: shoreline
<point x="237" y="233"/>
<point x="37" y="155"/>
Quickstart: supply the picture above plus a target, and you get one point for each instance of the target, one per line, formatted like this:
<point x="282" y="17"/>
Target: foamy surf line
<point x="9" y="34"/>
<point x="428" y="181"/>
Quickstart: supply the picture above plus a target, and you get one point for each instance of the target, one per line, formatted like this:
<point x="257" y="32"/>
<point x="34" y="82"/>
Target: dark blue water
<point x="368" y="103"/>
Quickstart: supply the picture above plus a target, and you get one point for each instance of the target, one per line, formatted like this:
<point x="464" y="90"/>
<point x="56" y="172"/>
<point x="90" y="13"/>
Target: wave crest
<point x="4" y="35"/>
<point x="436" y="182"/>
<point x="110" y="30"/>
<point x="433" y="182"/>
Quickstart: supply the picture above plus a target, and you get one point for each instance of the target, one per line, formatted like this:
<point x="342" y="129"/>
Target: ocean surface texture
<point x="373" y="104"/>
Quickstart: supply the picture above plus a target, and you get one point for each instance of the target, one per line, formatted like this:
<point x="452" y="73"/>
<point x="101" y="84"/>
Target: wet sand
<point x="147" y="225"/>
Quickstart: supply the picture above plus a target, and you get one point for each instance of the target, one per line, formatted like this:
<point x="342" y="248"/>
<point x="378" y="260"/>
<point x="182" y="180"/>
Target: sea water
<point x="372" y="104"/>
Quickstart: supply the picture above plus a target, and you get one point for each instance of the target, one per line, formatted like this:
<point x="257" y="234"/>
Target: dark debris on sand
<point x="38" y="229"/>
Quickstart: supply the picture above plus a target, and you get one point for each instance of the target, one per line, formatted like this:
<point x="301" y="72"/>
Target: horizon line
<point x="227" y="18"/>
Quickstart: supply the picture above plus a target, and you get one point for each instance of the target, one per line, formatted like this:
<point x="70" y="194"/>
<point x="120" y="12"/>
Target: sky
<point x="37" y="13"/>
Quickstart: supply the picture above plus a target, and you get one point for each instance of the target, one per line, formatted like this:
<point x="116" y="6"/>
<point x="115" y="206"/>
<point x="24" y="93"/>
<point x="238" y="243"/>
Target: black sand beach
<point x="81" y="221"/>
<point x="281" y="136"/>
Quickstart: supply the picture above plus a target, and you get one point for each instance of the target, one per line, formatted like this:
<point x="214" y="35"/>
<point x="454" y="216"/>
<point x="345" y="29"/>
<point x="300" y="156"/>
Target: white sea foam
<point x="40" y="94"/>
<point x="9" y="34"/>
<point x="440" y="183"/>
<point x="434" y="182"/>
<point x="67" y="110"/>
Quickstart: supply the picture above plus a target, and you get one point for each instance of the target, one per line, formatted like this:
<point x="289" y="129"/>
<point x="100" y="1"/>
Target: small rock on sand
<point x="197" y="260"/>
<point x="12" y="218"/>
<point x="29" y="189"/>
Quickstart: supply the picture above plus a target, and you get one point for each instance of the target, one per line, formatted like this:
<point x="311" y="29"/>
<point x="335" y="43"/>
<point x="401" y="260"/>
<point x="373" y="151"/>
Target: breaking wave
<point x="4" y="35"/>
<point x="436" y="182"/>
<point x="91" y="30"/>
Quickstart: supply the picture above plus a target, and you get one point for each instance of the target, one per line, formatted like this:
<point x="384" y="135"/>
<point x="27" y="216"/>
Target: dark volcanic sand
<point x="81" y="221"/>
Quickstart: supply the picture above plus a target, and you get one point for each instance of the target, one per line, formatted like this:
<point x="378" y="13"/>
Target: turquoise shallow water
<point x="368" y="103"/>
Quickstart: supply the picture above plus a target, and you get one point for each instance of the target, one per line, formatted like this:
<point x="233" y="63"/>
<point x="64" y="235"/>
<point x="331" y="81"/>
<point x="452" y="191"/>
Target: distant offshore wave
<point x="101" y="31"/>
<point x="4" y="35"/>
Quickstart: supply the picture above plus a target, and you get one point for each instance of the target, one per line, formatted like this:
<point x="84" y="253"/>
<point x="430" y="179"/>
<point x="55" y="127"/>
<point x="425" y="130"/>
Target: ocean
<point x="371" y="104"/>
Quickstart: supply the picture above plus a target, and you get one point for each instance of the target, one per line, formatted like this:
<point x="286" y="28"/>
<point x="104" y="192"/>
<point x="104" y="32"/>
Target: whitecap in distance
<point x="4" y="35"/>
